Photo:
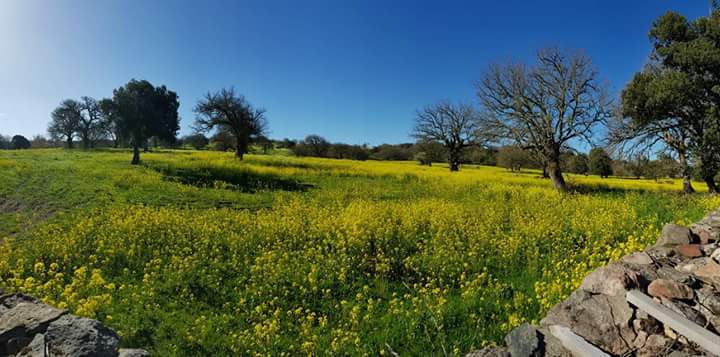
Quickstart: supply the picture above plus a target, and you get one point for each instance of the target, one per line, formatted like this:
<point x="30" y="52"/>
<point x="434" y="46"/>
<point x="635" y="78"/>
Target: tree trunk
<point x="239" y="152"/>
<point x="136" y="154"/>
<point x="545" y="172"/>
<point x="556" y="175"/>
<point x="70" y="143"/>
<point x="710" y="181"/>
<point x="687" y="182"/>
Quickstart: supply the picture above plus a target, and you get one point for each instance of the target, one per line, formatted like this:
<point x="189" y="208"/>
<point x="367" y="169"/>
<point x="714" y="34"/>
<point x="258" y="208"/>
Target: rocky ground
<point x="30" y="328"/>
<point x="681" y="272"/>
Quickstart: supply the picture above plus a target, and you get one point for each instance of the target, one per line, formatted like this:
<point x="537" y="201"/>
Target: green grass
<point x="195" y="253"/>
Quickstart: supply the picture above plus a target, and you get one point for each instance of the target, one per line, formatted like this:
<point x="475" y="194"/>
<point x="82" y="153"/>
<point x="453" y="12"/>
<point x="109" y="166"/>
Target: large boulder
<point x="602" y="320"/>
<point x="612" y="279"/>
<point x="673" y="234"/>
<point x="525" y="341"/>
<point x="77" y="336"/>
<point x="21" y="320"/>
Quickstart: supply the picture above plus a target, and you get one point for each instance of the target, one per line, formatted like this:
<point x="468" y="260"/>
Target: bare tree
<point x="65" y="121"/>
<point x="455" y="126"/>
<point x="231" y="112"/>
<point x="543" y="108"/>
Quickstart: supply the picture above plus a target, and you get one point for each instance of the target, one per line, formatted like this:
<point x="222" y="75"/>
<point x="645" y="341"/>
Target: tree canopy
<point x="455" y="126"/>
<point x="143" y="111"/>
<point x="544" y="107"/>
<point x="232" y="113"/>
<point x="676" y="97"/>
<point x="65" y="121"/>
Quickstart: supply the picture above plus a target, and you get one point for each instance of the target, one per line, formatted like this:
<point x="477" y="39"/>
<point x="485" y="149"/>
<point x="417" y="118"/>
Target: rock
<point x="716" y="255"/>
<point x="36" y="348"/>
<point x="602" y="320"/>
<point x="673" y="234"/>
<point x="640" y="258"/>
<point x="689" y="250"/>
<point x="709" y="272"/>
<point x="660" y="252"/>
<point x="612" y="279"/>
<point x="710" y="299"/>
<point x="704" y="232"/>
<point x="647" y="324"/>
<point x="667" y="273"/>
<point x="78" y="336"/>
<point x="708" y="249"/>
<point x="693" y="265"/>
<point x="685" y="310"/>
<point x="524" y="341"/>
<point x="20" y="323"/>
<point x="136" y="352"/>
<point x="663" y="288"/>
<point x="654" y="345"/>
<point x="485" y="352"/>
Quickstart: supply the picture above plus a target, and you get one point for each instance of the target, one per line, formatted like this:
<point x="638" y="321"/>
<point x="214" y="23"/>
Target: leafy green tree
<point x="109" y="121"/>
<point x="144" y="111"/>
<point x="4" y="142"/>
<point x="678" y="94"/>
<point x="197" y="141"/>
<point x="232" y="113"/>
<point x="312" y="145"/>
<point x="19" y="142"/>
<point x="599" y="163"/>
<point x="513" y="158"/>
<point x="578" y="163"/>
<point x="65" y="121"/>
<point x="429" y="152"/>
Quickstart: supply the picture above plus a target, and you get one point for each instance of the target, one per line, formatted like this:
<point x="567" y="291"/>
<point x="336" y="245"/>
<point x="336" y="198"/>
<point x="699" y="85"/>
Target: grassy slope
<point x="433" y="261"/>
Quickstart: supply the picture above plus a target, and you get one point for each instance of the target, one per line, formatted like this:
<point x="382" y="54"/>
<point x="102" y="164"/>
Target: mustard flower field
<point x="196" y="253"/>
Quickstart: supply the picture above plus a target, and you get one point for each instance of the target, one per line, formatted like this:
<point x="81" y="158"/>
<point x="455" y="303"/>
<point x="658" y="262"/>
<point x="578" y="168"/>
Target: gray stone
<point x="136" y="352"/>
<point x="640" y="258"/>
<point x="692" y="265"/>
<point x="709" y="272"/>
<point x="709" y="248"/>
<point x="685" y="310"/>
<point x="602" y="320"/>
<point x="660" y="252"/>
<point x="36" y="348"/>
<point x="20" y="323"/>
<point x="485" y="352"/>
<point x="668" y="273"/>
<point x="673" y="234"/>
<point x="612" y="279"/>
<point x="81" y="337"/>
<point x="654" y="345"/>
<point x="524" y="341"/>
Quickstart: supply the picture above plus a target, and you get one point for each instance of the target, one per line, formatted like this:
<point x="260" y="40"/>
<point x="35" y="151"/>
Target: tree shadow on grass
<point x="235" y="179"/>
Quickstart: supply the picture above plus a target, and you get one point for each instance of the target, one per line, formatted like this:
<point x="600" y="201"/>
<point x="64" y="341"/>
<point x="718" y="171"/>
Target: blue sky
<point x="352" y="71"/>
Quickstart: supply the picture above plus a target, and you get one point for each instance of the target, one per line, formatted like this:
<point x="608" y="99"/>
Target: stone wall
<point x="680" y="271"/>
<point x="30" y="328"/>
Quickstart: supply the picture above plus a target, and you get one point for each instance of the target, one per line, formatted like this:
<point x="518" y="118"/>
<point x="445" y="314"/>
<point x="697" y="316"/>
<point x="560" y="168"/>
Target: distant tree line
<point x="140" y="115"/>
<point x="528" y="115"/>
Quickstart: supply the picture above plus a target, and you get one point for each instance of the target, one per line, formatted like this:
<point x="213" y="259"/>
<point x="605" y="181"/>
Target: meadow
<point x="196" y="253"/>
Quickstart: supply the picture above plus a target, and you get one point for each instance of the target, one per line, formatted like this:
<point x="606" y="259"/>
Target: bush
<point x="19" y="142"/>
